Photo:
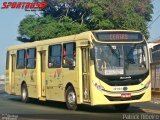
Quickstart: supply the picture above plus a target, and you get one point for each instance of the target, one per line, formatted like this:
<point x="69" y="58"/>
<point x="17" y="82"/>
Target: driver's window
<point x="139" y="56"/>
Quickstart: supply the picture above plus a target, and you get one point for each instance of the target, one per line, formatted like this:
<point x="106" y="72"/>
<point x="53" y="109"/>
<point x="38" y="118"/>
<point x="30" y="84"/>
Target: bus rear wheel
<point x="71" y="100"/>
<point x="24" y="93"/>
<point x="122" y="107"/>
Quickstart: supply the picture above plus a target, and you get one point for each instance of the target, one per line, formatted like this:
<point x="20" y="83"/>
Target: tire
<point x="24" y="93"/>
<point x="71" y="100"/>
<point x="122" y="107"/>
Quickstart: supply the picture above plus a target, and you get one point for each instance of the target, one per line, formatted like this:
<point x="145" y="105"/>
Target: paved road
<point x="12" y="107"/>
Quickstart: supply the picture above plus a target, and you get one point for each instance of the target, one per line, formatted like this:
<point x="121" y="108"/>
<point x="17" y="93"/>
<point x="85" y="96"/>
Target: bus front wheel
<point x="122" y="107"/>
<point x="71" y="101"/>
<point x="24" y="93"/>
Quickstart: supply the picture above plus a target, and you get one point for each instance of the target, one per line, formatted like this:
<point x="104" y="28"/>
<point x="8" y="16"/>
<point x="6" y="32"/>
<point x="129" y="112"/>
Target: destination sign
<point x="118" y="36"/>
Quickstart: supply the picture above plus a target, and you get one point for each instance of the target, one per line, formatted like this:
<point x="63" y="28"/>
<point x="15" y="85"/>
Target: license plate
<point x="126" y="95"/>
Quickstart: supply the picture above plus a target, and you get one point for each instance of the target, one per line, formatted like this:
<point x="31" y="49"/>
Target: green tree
<point x="66" y="17"/>
<point x="38" y="28"/>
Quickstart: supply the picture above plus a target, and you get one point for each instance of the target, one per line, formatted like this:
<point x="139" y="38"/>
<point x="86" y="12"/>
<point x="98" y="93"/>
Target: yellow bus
<point x="101" y="67"/>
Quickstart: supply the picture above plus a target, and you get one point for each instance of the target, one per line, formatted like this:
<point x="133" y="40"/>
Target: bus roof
<point x="114" y="30"/>
<point x="81" y="36"/>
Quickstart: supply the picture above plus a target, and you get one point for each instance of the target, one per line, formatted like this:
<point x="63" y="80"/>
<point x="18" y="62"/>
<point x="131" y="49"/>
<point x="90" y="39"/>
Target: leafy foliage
<point x="47" y="27"/>
<point x="66" y="17"/>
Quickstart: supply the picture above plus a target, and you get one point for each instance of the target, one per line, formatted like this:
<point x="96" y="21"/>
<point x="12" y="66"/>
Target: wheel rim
<point x="71" y="98"/>
<point x="24" y="93"/>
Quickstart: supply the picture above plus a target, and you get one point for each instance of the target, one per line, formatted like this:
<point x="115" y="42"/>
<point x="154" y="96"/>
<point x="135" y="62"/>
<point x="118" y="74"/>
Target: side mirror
<point x="92" y="54"/>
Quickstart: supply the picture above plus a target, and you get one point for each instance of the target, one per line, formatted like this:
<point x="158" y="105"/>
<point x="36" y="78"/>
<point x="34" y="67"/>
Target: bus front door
<point x="13" y="58"/>
<point x="85" y="74"/>
<point x="43" y="70"/>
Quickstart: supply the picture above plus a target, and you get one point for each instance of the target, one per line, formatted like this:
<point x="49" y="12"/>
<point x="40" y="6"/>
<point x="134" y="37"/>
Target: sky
<point x="154" y="28"/>
<point x="10" y="19"/>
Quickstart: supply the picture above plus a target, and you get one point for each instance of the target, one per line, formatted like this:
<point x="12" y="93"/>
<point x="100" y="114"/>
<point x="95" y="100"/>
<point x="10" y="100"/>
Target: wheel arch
<point x="23" y="82"/>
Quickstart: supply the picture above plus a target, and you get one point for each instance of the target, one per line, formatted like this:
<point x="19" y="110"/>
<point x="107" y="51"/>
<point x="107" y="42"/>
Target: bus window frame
<point x="69" y="66"/>
<point x="7" y="60"/>
<point x="24" y="66"/>
<point x="49" y="55"/>
<point x="35" y="55"/>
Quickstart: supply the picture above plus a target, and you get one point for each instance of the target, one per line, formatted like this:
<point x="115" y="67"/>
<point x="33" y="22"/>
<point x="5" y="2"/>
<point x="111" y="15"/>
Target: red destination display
<point x="118" y="36"/>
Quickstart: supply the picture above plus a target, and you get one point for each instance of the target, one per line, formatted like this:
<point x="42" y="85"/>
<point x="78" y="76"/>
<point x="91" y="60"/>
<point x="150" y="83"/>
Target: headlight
<point x="147" y="84"/>
<point x="99" y="87"/>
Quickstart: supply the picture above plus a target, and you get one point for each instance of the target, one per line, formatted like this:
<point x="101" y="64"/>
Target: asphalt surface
<point x="11" y="108"/>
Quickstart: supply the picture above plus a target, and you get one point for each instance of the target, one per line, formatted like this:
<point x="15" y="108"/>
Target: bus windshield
<point x="121" y="59"/>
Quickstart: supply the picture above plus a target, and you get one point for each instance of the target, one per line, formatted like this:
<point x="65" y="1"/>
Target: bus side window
<point x="7" y="60"/>
<point x="31" y="58"/>
<point x="21" y="59"/>
<point x="54" y="58"/>
<point x="69" y="55"/>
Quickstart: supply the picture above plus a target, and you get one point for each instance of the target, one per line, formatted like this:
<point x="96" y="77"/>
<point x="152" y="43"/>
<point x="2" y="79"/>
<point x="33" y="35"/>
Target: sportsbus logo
<point x="24" y="5"/>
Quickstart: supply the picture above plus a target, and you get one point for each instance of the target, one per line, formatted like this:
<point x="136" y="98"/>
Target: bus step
<point x="42" y="98"/>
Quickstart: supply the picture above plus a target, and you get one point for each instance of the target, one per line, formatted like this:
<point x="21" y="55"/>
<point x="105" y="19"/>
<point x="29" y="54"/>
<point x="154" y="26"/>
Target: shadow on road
<point x="82" y="108"/>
